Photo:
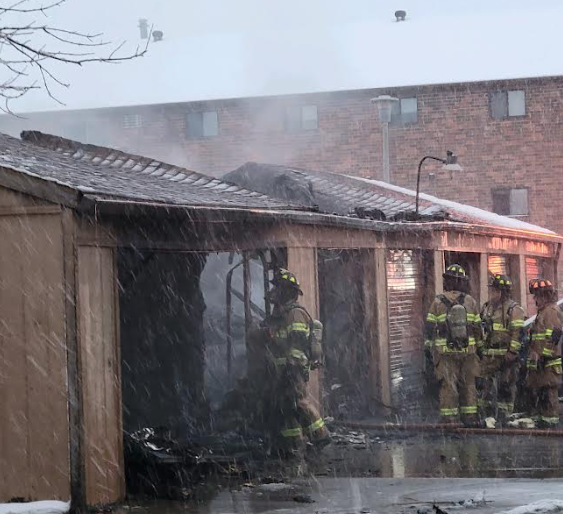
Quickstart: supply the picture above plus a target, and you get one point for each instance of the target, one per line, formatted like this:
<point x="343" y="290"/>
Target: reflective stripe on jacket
<point x="291" y="329"/>
<point x="548" y="320"/>
<point x="506" y="321"/>
<point x="435" y="328"/>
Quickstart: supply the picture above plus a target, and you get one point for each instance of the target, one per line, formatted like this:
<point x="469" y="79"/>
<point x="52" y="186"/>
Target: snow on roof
<point x="471" y="212"/>
<point x="437" y="44"/>
<point x="342" y="194"/>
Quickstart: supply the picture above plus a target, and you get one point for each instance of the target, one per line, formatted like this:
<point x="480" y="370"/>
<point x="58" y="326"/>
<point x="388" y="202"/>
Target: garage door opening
<point x="346" y="371"/>
<point x="409" y="296"/>
<point x="185" y="319"/>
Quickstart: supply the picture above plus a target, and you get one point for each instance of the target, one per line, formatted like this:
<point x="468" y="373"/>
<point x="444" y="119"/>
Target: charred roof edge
<point x="319" y="219"/>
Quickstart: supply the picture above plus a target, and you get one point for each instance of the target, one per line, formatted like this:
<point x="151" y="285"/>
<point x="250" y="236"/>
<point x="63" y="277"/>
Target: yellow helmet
<point x="283" y="277"/>
<point x="501" y="282"/>
<point x="455" y="271"/>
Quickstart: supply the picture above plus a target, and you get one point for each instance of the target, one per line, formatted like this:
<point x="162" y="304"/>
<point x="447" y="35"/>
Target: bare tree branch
<point x="14" y="7"/>
<point x="30" y="49"/>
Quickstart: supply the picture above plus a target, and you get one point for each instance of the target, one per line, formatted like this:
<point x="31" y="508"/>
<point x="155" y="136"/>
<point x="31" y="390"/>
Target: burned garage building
<point x="128" y="288"/>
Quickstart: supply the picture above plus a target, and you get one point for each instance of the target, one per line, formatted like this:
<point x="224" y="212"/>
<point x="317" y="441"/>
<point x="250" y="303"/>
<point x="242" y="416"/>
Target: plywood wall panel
<point x="100" y="372"/>
<point x="34" y="446"/>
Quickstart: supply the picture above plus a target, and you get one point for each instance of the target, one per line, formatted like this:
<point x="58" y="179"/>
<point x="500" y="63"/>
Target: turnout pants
<point x="458" y="395"/>
<point x="543" y="385"/>
<point x="506" y="375"/>
<point x="297" y="417"/>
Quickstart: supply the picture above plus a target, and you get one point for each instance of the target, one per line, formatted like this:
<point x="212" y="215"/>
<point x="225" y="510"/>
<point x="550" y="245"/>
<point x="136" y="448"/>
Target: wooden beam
<point x="520" y="280"/>
<point x="303" y="262"/>
<point x="117" y="382"/>
<point x="77" y="470"/>
<point x="483" y="278"/>
<point x="246" y="298"/>
<point x="29" y="210"/>
<point x="376" y="328"/>
<point x="439" y="268"/>
<point x="382" y="354"/>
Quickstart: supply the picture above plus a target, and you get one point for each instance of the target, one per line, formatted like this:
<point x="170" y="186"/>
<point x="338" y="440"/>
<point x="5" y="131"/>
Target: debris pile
<point x="162" y="465"/>
<point x="449" y="507"/>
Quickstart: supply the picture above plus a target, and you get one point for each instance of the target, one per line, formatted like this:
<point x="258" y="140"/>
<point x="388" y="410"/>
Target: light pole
<point x="449" y="163"/>
<point x="384" y="106"/>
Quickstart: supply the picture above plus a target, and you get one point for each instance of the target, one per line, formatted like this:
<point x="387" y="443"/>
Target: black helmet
<point x="283" y="277"/>
<point x="501" y="282"/>
<point x="455" y="271"/>
<point x="540" y="286"/>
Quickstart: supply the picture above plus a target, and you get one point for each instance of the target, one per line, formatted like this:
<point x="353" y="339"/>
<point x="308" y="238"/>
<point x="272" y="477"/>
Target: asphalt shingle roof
<point x="103" y="173"/>
<point x="342" y="194"/>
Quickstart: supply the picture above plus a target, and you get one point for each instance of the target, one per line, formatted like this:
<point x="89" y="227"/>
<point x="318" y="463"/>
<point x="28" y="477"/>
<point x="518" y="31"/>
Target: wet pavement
<point x="437" y="455"/>
<point x="372" y="472"/>
<point x="370" y="496"/>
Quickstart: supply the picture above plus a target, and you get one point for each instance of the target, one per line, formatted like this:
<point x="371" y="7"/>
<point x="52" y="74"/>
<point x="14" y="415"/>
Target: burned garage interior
<point x="162" y="278"/>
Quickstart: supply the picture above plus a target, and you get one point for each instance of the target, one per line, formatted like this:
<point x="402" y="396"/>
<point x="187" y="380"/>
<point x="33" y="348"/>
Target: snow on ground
<point x="540" y="507"/>
<point x="41" y="507"/>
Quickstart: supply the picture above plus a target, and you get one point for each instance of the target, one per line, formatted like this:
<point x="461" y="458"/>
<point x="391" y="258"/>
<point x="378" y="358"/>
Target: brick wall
<point x="523" y="151"/>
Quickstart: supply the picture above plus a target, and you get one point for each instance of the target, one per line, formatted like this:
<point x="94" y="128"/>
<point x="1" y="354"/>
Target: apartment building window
<point x="132" y="121"/>
<point x="511" y="202"/>
<point x="405" y="111"/>
<point x="506" y="104"/>
<point x="202" y="124"/>
<point x="301" y="117"/>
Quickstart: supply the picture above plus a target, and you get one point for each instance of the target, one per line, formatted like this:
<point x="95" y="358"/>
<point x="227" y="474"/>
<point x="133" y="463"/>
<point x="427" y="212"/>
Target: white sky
<point x="233" y="48"/>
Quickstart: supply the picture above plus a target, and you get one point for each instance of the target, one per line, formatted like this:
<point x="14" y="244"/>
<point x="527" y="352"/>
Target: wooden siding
<point x="34" y="445"/>
<point x="102" y="447"/>
<point x="15" y="200"/>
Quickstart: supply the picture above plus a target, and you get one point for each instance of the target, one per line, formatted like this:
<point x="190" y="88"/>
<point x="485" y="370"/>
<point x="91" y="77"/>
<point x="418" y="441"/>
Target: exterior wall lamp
<point x="449" y="163"/>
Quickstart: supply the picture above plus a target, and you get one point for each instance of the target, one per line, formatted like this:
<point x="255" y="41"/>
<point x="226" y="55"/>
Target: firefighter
<point x="294" y="354"/>
<point x="544" y="358"/>
<point x="453" y="327"/>
<point x="503" y="321"/>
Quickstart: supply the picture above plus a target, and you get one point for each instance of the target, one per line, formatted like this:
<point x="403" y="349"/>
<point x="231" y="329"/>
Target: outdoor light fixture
<point x="384" y="105"/>
<point x="449" y="163"/>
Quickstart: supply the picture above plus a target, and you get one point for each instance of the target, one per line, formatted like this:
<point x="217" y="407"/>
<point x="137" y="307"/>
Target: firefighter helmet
<point x="501" y="282"/>
<point x="455" y="271"/>
<point x="283" y="277"/>
<point x="540" y="285"/>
